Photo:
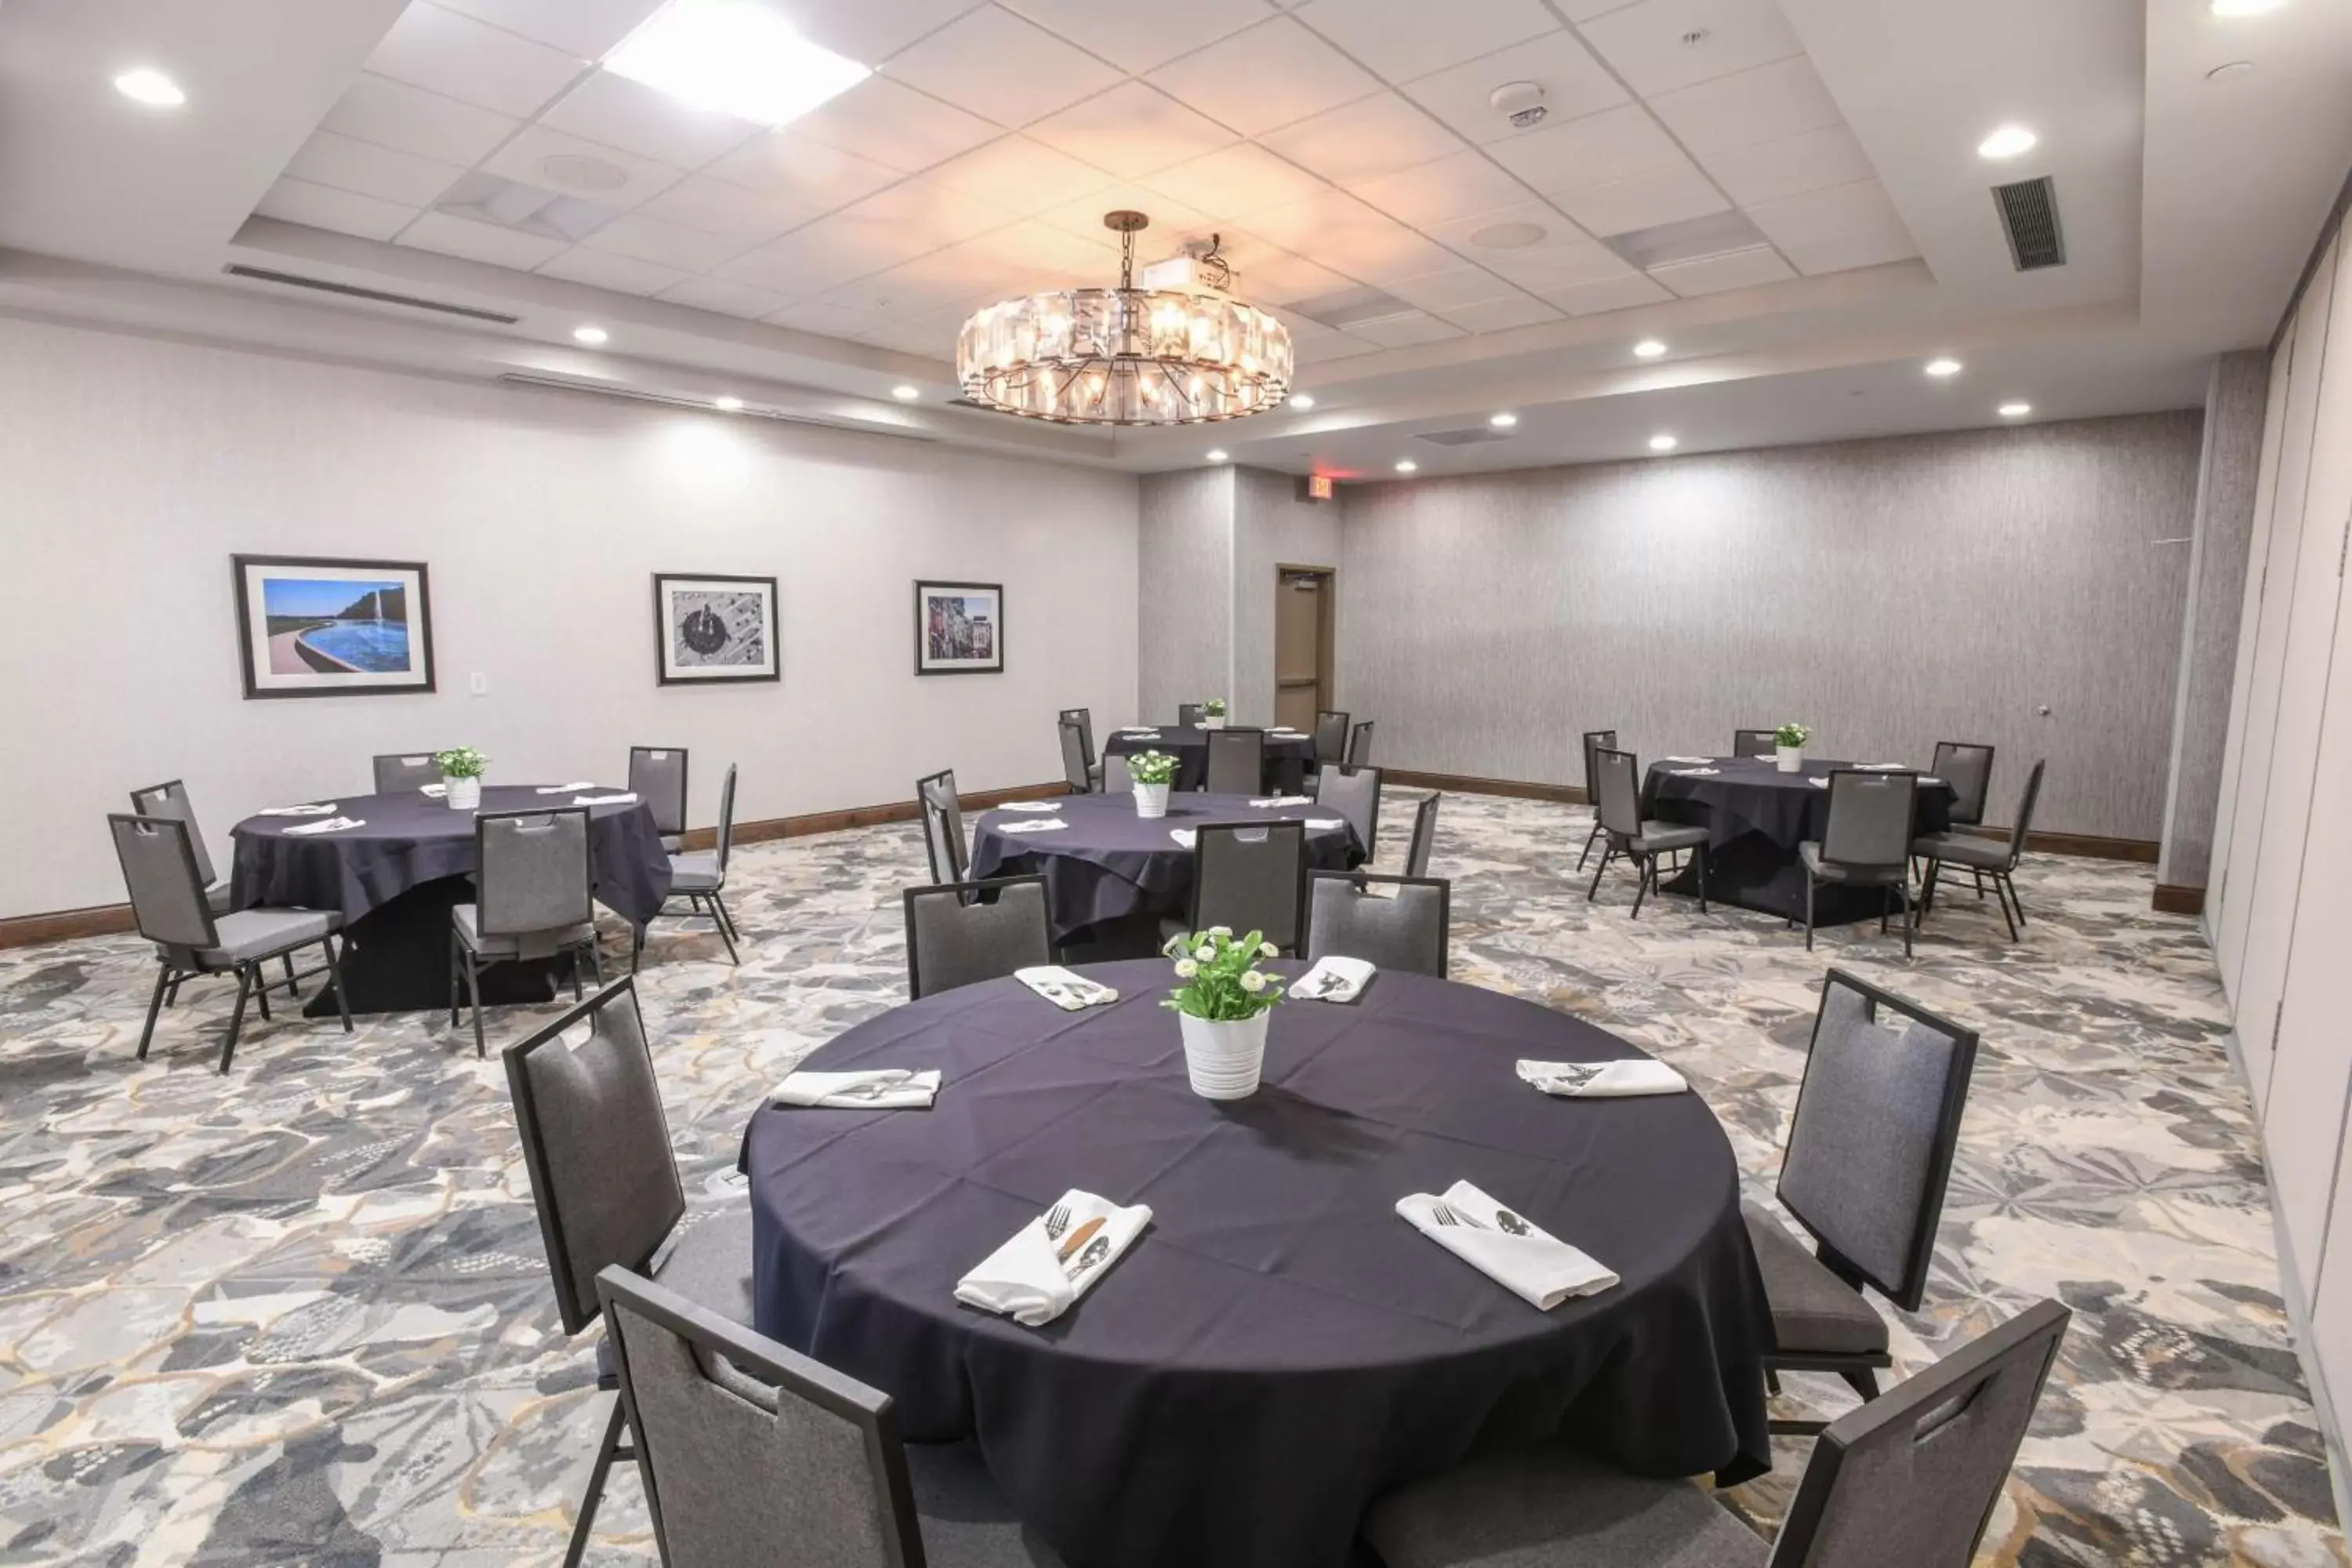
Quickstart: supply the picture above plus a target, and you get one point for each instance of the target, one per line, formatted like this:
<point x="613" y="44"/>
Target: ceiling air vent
<point x="2028" y="215"/>
<point x="1469" y="437"/>
<point x="353" y="291"/>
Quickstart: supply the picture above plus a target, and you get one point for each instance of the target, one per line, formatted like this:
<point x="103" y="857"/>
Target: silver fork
<point x="1057" y="1221"/>
<point x="1448" y="1215"/>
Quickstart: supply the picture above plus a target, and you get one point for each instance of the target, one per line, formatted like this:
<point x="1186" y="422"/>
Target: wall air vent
<point x="377" y="296"/>
<point x="1469" y="437"/>
<point x="2028" y="215"/>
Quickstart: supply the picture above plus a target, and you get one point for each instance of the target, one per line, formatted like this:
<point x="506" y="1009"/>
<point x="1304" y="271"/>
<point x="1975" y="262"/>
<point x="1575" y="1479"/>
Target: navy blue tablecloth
<point x="1288" y="758"/>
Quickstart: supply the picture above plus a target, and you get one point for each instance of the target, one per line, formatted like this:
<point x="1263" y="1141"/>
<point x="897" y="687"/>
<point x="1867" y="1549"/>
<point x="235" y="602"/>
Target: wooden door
<point x="1302" y="645"/>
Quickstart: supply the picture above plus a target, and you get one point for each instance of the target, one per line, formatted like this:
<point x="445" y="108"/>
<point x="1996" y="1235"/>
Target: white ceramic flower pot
<point x="1213" y="721"/>
<point x="463" y="795"/>
<point x="1224" y="1059"/>
<point x="1791" y="758"/>
<point x="1151" y="799"/>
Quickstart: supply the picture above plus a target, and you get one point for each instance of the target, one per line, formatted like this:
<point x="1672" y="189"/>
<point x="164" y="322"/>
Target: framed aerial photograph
<point x="959" y="628"/>
<point x="326" y="627"/>
<point x="712" y="629"/>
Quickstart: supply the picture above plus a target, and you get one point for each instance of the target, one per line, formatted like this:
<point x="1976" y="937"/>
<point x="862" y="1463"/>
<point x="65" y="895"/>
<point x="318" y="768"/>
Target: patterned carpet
<point x="300" y="1314"/>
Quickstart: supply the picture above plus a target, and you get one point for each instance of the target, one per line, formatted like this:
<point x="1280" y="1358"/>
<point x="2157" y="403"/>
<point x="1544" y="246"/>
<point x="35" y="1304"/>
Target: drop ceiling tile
<point x="1272" y="75"/>
<point x="1645" y="42"/>
<point x="584" y="29"/>
<point x="471" y="61"/>
<point x="1558" y="233"/>
<point x="1610" y="294"/>
<point x="927" y="214"/>
<point x="1582" y="11"/>
<point x="732" y="211"/>
<point x="643" y="238"/>
<point x="1615" y="145"/>
<point x="822" y="255"/>
<point x="1020" y="176"/>
<point x="1440" y="291"/>
<point x="553" y="161"/>
<point x="1719" y="274"/>
<point x="638" y="119"/>
<point x="944" y="279"/>
<point x="1372" y="136"/>
<point x="841" y="313"/>
<point x="871" y="31"/>
<point x="1446" y="190"/>
<point x="395" y="114"/>
<point x="1645" y="201"/>
<point x="1831" y="230"/>
<point x="1036" y="249"/>
<point x="717" y="294"/>
<point x="1386" y="251"/>
<point x="1788" y="167"/>
<point x="1327" y="225"/>
<point x="1783" y="99"/>
<point x="1404" y="331"/>
<point x="1136" y="37"/>
<point x="1330" y="346"/>
<point x="481" y="241"/>
<point x="892" y="124"/>
<point x="1241" y="178"/>
<point x="344" y="212"/>
<point x="1559" y="266"/>
<point x="1132" y="130"/>
<point x="365" y="169"/>
<point x="1574" y="84"/>
<point x="788" y="164"/>
<point x="1275" y="277"/>
<point x="997" y="66"/>
<point x="1403" y="39"/>
<point x="604" y="269"/>
<point x="1172" y="222"/>
<point x="1501" y="315"/>
<point x="1843" y="252"/>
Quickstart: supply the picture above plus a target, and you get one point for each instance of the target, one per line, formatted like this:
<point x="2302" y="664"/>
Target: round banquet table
<point x="1279" y="1346"/>
<point x="1288" y="757"/>
<point x="1109" y="864"/>
<point x="396" y="878"/>
<point x="1756" y="816"/>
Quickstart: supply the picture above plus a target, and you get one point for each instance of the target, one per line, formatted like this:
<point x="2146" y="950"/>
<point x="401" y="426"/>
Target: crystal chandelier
<point x="1126" y="355"/>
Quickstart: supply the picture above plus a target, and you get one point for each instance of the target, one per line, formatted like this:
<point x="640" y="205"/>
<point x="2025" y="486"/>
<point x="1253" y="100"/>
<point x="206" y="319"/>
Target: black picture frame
<point x="264" y="664"/>
<point x="927" y="662"/>
<point x="669" y="671"/>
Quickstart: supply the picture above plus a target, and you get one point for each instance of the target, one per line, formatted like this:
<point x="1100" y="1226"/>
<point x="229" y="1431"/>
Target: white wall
<point x="130" y="469"/>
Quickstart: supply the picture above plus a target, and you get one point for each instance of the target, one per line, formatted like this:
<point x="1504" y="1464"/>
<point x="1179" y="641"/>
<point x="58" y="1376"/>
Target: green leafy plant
<point x="1222" y="980"/>
<point x="1791" y="736"/>
<point x="1214" y="708"/>
<point x="1152" y="768"/>
<point x="461" y="762"/>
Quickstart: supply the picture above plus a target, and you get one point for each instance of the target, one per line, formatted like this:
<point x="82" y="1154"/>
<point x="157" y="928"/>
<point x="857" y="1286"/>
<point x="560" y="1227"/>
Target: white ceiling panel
<point x="1404" y="331"/>
<point x="786" y="163"/>
<point x="1329" y="346"/>
<point x="538" y="156"/>
<point x="1385" y="250"/>
<point x="892" y="124"/>
<point x="395" y="114"/>
<point x="1783" y="99"/>
<point x="1406" y="38"/>
<point x="1645" y="201"/>
<point x="584" y="29"/>
<point x="344" y="212"/>
<point x="921" y="216"/>
<point x="1558" y="233"/>
<point x="821" y="256"/>
<point x="1615" y="145"/>
<point x="1136" y="37"/>
<point x="1172" y="222"/>
<point x="1133" y="130"/>
<point x="871" y="31"/>
<point x="1822" y="231"/>
<point x="1019" y="176"/>
<point x="1442" y="291"/>
<point x="842" y="313"/>
<point x="1720" y="274"/>
<point x="1501" y="315"/>
<point x="1327" y="225"/>
<point x="1575" y="85"/>
<point x="366" y="169"/>
<point x="732" y="211"/>
<point x="1239" y="179"/>
<point x="643" y="238"/>
<point x="1645" y="42"/>
<point x="604" y="269"/>
<point x="1447" y="190"/>
<point x="725" y="298"/>
<point x="638" y="119"/>
<point x="1582" y="11"/>
<point x="1268" y="77"/>
<point x="1559" y="266"/>
<point x="471" y="61"/>
<point x="997" y="66"/>
<point x="481" y="241"/>
<point x="1372" y="136"/>
<point x="1610" y="294"/>
<point x="1790" y="166"/>
<point x="1037" y="250"/>
<point x="1272" y="275"/>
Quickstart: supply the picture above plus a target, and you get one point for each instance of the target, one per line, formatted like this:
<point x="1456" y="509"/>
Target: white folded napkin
<point x="435" y="790"/>
<point x="1140" y="735"/>
<point x="603" y="800"/>
<point x="1688" y="759"/>
<point x="1818" y="782"/>
<point x="1326" y="823"/>
<point x="1286" y="731"/>
<point x="1695" y="772"/>
<point x="1272" y="801"/>
<point x="1334" y="979"/>
<point x="1183" y="836"/>
<point x="1033" y="824"/>
<point x="572" y="788"/>
<point x="1881" y="767"/>
<point x="1029" y="805"/>
<point x="876" y="1089"/>
<point x="1604" y="1080"/>
<point x="295" y="810"/>
<point x="1028" y="1280"/>
<point x="1064" y="989"/>
<point x="1928" y="781"/>
<point x="1535" y="1266"/>
<point x="332" y="825"/>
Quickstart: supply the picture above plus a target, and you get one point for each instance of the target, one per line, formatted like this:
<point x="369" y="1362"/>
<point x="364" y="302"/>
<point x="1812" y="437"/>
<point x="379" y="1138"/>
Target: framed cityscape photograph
<point x="715" y="629"/>
<point x="959" y="628"/>
<point x="327" y="626"/>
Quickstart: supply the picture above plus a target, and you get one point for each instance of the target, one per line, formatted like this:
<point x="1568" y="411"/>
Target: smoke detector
<point x="1520" y="103"/>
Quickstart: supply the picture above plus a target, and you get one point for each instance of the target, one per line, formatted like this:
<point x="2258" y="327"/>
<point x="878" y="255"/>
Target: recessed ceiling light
<point x="1301" y="400"/>
<point x="906" y="394"/>
<point x="2009" y="141"/>
<point x="1217" y="454"/>
<point x="1406" y="465"/>
<point x="1943" y="367"/>
<point x="152" y="87"/>
<point x="2245" y="8"/>
<point x="727" y="405"/>
<point x="593" y="336"/>
<point x="1648" y="348"/>
<point x="1662" y="442"/>
<point x="2015" y="410"/>
<point x="1503" y="421"/>
<point x="736" y="57"/>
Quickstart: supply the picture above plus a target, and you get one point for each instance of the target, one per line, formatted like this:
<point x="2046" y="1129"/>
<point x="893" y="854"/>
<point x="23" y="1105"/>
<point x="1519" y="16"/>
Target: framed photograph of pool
<point x="324" y="626"/>
<point x="959" y="628"/>
<point x="715" y="629"/>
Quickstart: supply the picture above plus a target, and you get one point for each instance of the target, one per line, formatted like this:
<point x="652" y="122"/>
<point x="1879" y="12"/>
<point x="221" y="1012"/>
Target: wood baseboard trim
<point x="1562" y="794"/>
<point x="2172" y="898"/>
<point x="2141" y="851"/>
<point x="64" y="925"/>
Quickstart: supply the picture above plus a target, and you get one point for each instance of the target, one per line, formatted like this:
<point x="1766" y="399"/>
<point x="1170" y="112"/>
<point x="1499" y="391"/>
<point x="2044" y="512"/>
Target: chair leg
<point x="1702" y="879"/>
<point x="1588" y="846"/>
<point x="1886" y="908"/>
<point x="292" y="988"/>
<point x="596" y="963"/>
<point x="2004" y="897"/>
<point x="261" y="992"/>
<point x="1862" y="1381"/>
<point x="1808" y="913"/>
<point x="605" y="1451"/>
<point x="335" y="979"/>
<point x="1908" y="925"/>
<point x="1977" y="875"/>
<point x="1771" y="1382"/>
<point x="2009" y="882"/>
<point x="1607" y="849"/>
<point x="1927" y="888"/>
<point x="726" y="930"/>
<point x="474" y="1000"/>
<point x="571" y="962"/>
<point x="454" y="993"/>
<point x="1646" y="868"/>
<point x="172" y="996"/>
<point x="247" y="974"/>
<point x="165" y="981"/>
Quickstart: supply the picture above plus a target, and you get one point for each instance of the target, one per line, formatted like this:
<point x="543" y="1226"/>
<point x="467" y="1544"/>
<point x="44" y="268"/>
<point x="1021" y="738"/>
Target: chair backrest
<point x="1188" y="714"/>
<point x="726" y="818"/>
<point x="1084" y="717"/>
<point x="1408" y="928"/>
<point x="533" y="873"/>
<point x="1913" y="1476"/>
<point x="171" y="799"/>
<point x="1117" y="779"/>
<point x="397" y="771"/>
<point x="658" y="777"/>
<point x="942" y="824"/>
<point x="961" y="934"/>
<point x="1330" y="735"/>
<point x="159" y="868"/>
<point x="747" y="1448"/>
<point x="1870" y="1146"/>
<point x="1618" y="806"/>
<point x="1424" y="837"/>
<point x="1075" y="770"/>
<point x="2023" y="827"/>
<point x="1360" y="745"/>
<point x="1355" y="795"/>
<point x="1753" y="743"/>
<point x="595" y="1146"/>
<point x="1870" y="817"/>
<point x="1596" y="741"/>
<point x="1250" y="876"/>
<point x="1236" y="762"/>
<point x="1967" y="768"/>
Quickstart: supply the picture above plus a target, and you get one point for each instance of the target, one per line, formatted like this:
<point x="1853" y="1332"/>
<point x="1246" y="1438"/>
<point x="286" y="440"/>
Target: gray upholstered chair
<point x="1866" y="843"/>
<point x="1250" y="876"/>
<point x="1076" y="772"/>
<point x="961" y="934"/>
<point x="1236" y="762"/>
<point x="397" y="771"/>
<point x="603" y="1177"/>
<point x="1967" y="766"/>
<point x="1084" y="717"/>
<point x="1595" y="742"/>
<point x="1406" y="928"/>
<point x="935" y="796"/>
<point x="1355" y="794"/>
<point x="701" y="876"/>
<point x="1330" y="737"/>
<point x="753" y="1453"/>
<point x="1625" y="832"/>
<point x="1754" y="743"/>
<point x="1188" y="715"/>
<point x="1116" y="777"/>
<point x="658" y="777"/>
<point x="169" y="909"/>
<point x="1909" y="1480"/>
<point x="1984" y="857"/>
<point x="531" y="882"/>
<point x="1360" y="745"/>
<point x="1424" y="837"/>
<point x="1869" y="1156"/>
<point x="170" y="799"/>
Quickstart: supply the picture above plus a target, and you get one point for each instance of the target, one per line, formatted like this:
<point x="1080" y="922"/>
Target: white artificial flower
<point x="1251" y="981"/>
<point x="1206" y="949"/>
<point x="1186" y="969"/>
<point x="1220" y="931"/>
<point x="1267" y="950"/>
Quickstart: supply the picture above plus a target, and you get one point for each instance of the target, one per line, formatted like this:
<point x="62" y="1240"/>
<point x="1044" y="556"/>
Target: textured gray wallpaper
<point x="1184" y="608"/>
<point x="1889" y="592"/>
<point x="1272" y="527"/>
